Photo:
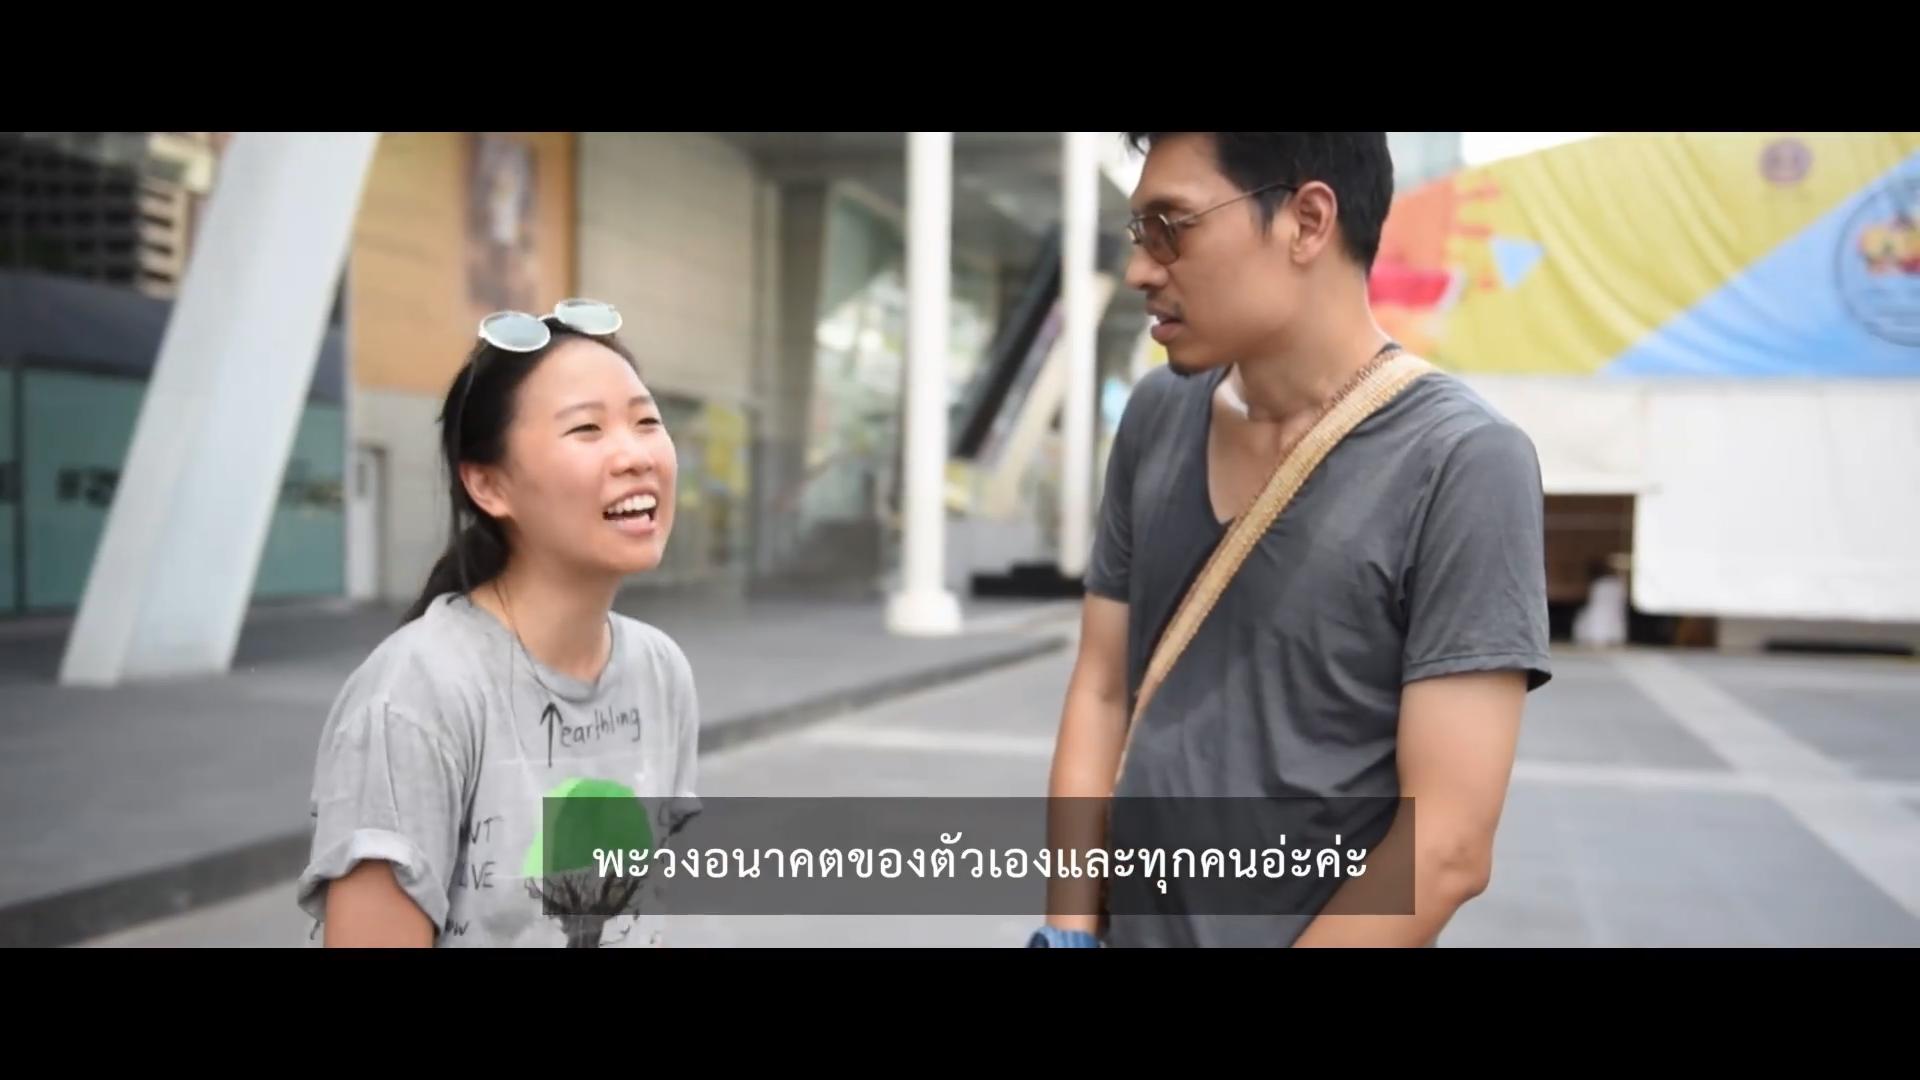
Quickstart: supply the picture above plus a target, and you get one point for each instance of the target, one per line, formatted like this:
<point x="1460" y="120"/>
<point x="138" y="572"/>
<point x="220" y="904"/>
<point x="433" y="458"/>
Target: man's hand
<point x="1457" y="739"/>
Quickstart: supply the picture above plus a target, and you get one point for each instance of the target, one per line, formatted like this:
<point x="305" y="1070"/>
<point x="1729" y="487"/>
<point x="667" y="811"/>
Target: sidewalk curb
<point x="90" y="911"/>
<point x="760" y="725"/>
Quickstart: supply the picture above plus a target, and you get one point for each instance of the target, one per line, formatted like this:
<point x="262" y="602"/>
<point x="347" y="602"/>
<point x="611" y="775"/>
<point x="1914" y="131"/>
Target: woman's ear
<point x="485" y="489"/>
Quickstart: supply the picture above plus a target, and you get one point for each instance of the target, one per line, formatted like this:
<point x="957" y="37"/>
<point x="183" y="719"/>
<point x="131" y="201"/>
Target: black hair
<point x="479" y="408"/>
<point x="1357" y="165"/>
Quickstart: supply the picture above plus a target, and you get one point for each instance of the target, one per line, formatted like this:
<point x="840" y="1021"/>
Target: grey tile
<point x="1590" y="714"/>
<point x="103" y="784"/>
<point x="1875" y="731"/>
<point x="1584" y="866"/>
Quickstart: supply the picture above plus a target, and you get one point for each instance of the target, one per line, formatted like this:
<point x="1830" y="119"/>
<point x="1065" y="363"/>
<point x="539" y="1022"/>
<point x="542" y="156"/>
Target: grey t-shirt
<point x="442" y="748"/>
<point x="1416" y="549"/>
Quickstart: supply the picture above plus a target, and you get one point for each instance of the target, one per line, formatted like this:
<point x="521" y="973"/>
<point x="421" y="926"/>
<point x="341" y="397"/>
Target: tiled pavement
<point x="1661" y="799"/>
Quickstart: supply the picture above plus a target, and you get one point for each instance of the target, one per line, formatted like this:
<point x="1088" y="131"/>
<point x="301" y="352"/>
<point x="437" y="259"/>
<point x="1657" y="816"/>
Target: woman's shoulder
<point x="651" y="650"/>
<point x="647" y="643"/>
<point x="430" y="669"/>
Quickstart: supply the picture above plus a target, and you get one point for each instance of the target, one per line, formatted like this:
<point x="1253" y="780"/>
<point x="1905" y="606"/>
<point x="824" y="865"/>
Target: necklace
<point x="513" y="630"/>
<point x="1359" y="377"/>
<point x="550" y="718"/>
<point x="1239" y="403"/>
<point x="1386" y="352"/>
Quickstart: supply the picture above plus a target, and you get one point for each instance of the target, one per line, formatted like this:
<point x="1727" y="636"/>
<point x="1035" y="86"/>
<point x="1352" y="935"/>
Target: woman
<point x="512" y="684"/>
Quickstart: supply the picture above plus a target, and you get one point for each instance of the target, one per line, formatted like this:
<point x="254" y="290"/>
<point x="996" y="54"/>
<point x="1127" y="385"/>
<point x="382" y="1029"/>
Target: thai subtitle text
<point x="1153" y="864"/>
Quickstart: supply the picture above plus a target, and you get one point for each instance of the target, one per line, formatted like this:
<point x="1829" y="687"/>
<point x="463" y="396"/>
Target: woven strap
<point x="1380" y="386"/>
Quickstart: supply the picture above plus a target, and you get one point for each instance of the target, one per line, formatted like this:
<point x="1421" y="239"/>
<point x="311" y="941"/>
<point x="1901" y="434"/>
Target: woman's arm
<point x="367" y="909"/>
<point x="389" y="799"/>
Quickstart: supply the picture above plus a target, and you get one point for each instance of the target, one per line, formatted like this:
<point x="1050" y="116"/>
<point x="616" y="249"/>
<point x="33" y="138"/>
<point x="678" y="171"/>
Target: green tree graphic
<point x="582" y="817"/>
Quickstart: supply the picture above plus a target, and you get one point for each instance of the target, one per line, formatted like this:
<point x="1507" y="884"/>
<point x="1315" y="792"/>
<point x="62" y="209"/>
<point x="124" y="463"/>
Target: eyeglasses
<point x="1161" y="235"/>
<point x="517" y="331"/>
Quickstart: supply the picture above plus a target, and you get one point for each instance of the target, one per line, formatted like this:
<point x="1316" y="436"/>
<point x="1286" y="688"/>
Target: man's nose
<point x="1144" y="272"/>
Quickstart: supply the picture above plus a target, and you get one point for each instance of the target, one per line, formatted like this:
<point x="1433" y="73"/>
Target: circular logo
<point x="1878" y="261"/>
<point x="1786" y="161"/>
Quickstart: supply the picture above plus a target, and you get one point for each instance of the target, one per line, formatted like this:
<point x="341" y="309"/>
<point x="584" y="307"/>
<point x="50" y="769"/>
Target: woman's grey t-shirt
<point x="442" y="748"/>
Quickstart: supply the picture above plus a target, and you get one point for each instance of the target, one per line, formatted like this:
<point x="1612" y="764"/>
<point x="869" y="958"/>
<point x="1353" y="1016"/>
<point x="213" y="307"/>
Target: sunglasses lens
<point x="1155" y="235"/>
<point x="588" y="316"/>
<point x="514" y="331"/>
<point x="1160" y="240"/>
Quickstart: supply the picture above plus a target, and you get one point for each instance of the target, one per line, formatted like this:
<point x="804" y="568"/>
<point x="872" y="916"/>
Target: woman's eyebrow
<point x="637" y="399"/>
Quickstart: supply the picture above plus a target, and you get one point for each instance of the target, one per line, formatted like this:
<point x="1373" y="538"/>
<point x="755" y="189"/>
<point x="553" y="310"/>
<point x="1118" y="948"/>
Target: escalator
<point x="1000" y="481"/>
<point x="1018" y="351"/>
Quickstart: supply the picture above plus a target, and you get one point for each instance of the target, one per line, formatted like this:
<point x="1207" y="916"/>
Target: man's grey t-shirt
<point x="1415" y="549"/>
<point x="442" y="748"/>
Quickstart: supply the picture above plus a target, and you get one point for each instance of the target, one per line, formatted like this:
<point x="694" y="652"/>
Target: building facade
<point x="95" y="232"/>
<point x="761" y="275"/>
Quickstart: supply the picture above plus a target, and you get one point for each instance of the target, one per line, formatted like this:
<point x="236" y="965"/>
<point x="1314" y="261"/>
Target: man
<point x="1382" y="636"/>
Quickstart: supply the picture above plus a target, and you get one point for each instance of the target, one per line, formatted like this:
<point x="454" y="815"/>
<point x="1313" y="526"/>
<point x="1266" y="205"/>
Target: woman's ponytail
<point x="473" y="425"/>
<point x="476" y="555"/>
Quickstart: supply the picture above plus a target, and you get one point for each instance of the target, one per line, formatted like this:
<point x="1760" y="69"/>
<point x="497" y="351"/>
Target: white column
<point x="1080" y="196"/>
<point x="923" y="606"/>
<point x="174" y="572"/>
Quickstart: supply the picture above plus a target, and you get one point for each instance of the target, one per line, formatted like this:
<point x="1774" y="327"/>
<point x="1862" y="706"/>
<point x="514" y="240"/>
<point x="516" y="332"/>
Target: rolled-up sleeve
<point x="385" y="788"/>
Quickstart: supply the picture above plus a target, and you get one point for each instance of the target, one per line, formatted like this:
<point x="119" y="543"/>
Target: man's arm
<point x="1086" y="754"/>
<point x="1457" y="739"/>
<point x="1476" y="643"/>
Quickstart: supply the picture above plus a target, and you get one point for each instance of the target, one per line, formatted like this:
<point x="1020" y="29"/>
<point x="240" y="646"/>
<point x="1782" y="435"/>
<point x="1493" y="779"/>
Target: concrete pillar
<point x="174" y="571"/>
<point x="1080" y="196"/>
<point x="803" y="212"/>
<point x="923" y="606"/>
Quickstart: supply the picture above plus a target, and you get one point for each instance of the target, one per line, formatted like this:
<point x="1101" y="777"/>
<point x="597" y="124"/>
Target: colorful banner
<point x="1666" y="254"/>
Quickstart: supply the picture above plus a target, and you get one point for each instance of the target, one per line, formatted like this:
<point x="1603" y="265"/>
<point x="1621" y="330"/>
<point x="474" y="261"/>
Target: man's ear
<point x="484" y="488"/>
<point x="1316" y="210"/>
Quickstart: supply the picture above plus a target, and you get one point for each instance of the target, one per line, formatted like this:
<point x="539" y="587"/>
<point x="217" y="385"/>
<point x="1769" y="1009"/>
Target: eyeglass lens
<point x="1154" y="234"/>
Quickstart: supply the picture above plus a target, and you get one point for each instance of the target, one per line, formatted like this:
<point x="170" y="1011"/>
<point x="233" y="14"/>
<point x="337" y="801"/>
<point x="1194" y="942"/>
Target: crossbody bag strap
<point x="1380" y="386"/>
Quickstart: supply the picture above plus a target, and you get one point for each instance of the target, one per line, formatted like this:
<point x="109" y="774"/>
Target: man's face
<point x="1233" y="284"/>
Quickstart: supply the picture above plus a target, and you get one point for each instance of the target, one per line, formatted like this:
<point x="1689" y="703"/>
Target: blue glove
<point x="1053" y="937"/>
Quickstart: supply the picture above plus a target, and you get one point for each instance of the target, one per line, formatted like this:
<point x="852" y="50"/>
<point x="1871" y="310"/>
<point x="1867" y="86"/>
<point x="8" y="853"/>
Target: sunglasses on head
<point x="517" y="331"/>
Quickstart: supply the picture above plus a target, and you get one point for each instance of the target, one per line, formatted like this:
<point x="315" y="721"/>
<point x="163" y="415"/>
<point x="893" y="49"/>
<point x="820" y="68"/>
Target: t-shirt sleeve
<point x="1476" y="591"/>
<point x="385" y="787"/>
<point x="1110" y="563"/>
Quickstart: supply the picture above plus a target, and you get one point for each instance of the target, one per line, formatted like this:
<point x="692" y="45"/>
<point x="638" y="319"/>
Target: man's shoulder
<point x="1445" y="415"/>
<point x="1158" y="399"/>
<point x="1160" y="388"/>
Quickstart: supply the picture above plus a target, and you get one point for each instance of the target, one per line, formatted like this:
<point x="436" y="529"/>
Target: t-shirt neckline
<point x="556" y="683"/>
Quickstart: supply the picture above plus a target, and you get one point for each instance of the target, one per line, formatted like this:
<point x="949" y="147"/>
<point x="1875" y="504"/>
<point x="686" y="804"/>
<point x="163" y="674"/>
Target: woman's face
<point x="588" y="482"/>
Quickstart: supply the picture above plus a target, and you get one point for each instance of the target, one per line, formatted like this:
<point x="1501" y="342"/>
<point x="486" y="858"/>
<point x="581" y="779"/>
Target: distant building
<point x="116" y="207"/>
